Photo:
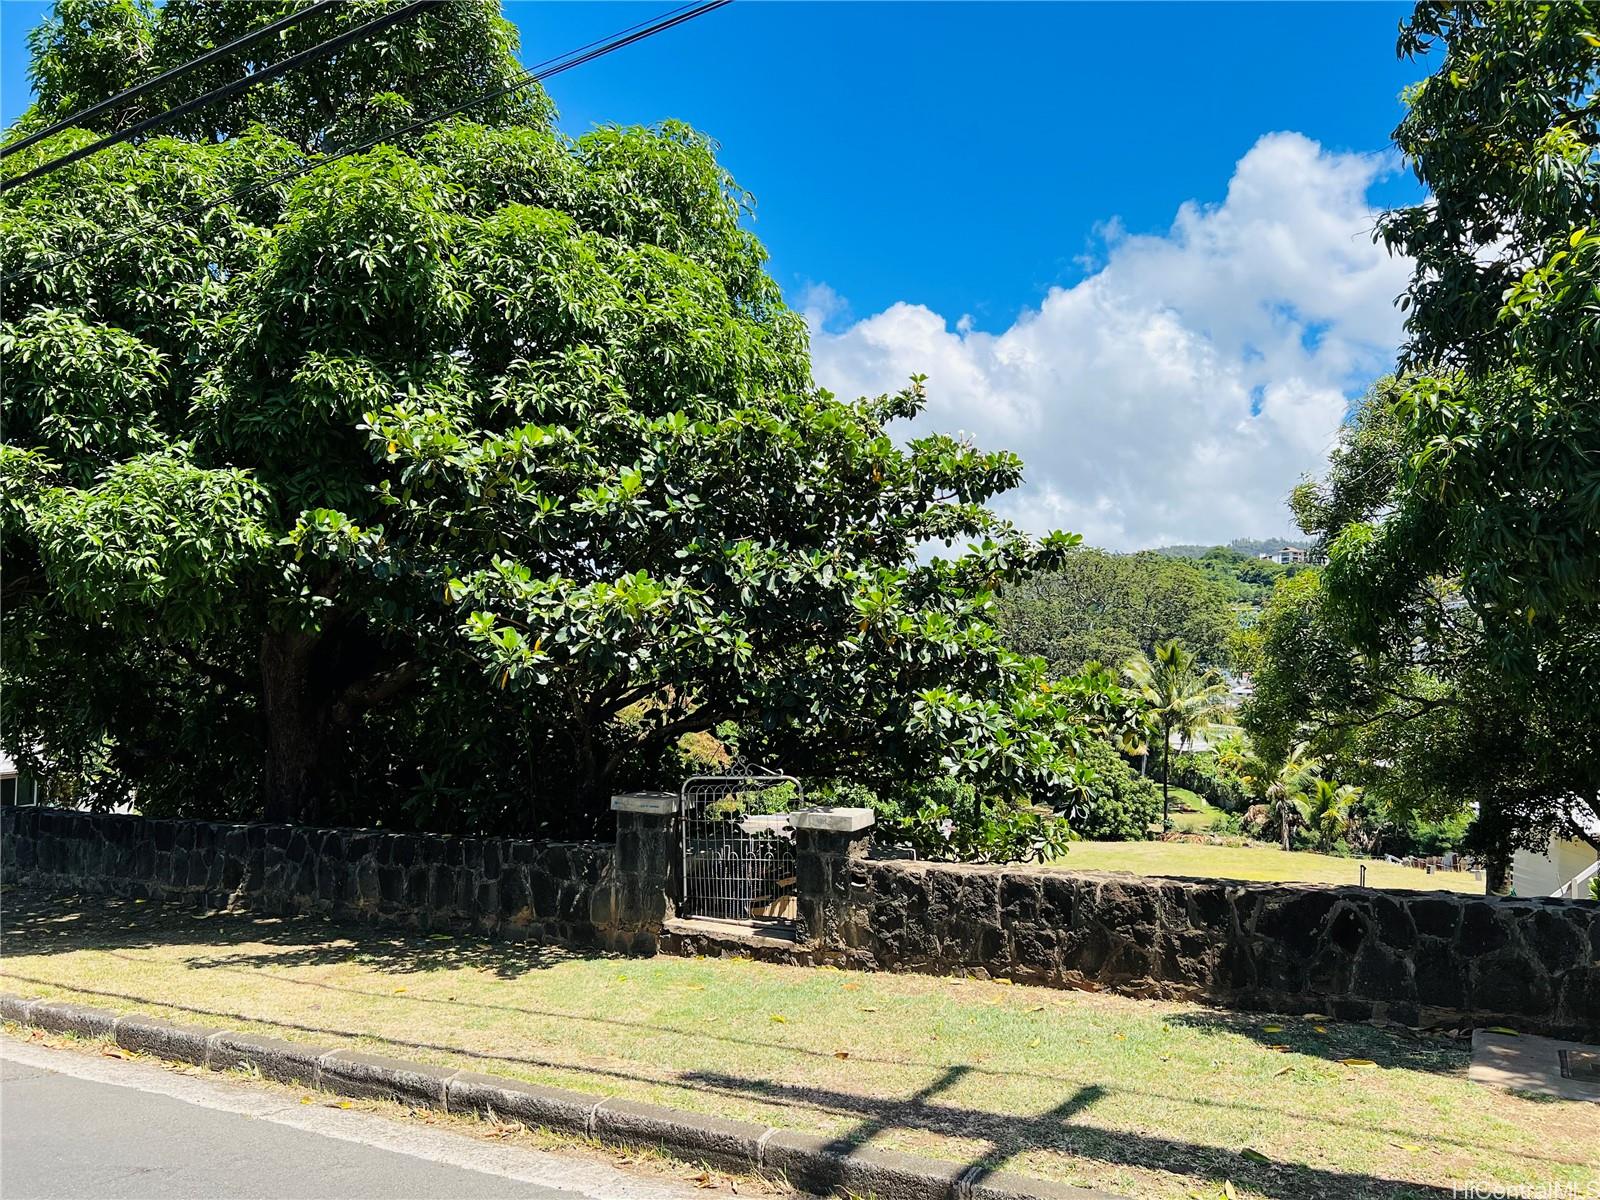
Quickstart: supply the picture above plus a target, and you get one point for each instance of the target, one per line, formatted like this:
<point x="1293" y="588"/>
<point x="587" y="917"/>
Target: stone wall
<point x="1356" y="953"/>
<point x="507" y="887"/>
<point x="1419" y="958"/>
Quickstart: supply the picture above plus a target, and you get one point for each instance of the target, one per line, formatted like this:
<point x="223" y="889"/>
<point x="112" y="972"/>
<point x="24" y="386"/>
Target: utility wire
<point x="595" y="50"/>
<point x="376" y="25"/>
<point x="242" y="42"/>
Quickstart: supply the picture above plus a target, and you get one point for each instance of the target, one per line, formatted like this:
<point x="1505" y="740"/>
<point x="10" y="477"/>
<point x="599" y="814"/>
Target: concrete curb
<point x="814" y="1163"/>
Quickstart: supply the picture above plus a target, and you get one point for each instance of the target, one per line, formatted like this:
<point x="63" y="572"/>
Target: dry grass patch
<point x="1143" y="1098"/>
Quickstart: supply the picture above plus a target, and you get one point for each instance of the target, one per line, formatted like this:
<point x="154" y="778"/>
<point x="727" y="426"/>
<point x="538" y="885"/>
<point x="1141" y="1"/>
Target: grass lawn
<point x="1198" y="821"/>
<point x="1255" y="862"/>
<point x="1145" y="1099"/>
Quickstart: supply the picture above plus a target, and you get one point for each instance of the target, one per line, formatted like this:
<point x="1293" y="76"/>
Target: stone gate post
<point x="646" y="866"/>
<point x="826" y="840"/>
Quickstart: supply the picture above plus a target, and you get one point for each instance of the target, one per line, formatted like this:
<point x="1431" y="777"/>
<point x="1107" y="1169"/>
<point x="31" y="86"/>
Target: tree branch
<point x="222" y="676"/>
<point x="373" y="691"/>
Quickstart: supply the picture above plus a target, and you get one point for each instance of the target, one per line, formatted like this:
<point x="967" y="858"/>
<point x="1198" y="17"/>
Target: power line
<point x="239" y="43"/>
<point x="376" y="25"/>
<point x="595" y="50"/>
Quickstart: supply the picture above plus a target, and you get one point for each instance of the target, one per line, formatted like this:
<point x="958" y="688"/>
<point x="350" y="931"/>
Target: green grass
<point x="1200" y="820"/>
<point x="1145" y="1099"/>
<point x="1259" y="862"/>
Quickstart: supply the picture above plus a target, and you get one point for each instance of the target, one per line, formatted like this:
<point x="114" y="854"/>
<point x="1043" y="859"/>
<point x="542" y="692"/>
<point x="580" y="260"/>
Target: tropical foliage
<point x="1104" y="608"/>
<point x="1181" y="701"/>
<point x="1286" y="787"/>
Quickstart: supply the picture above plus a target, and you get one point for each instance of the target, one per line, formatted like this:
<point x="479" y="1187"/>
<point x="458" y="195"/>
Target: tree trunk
<point x="297" y="727"/>
<point x="1166" y="777"/>
<point x="1284" y="821"/>
<point x="1497" y="872"/>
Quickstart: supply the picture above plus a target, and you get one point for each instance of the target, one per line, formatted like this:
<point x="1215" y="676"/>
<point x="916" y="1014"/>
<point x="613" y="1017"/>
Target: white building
<point x="1287" y="555"/>
<point x="1565" y="868"/>
<point x="15" y="787"/>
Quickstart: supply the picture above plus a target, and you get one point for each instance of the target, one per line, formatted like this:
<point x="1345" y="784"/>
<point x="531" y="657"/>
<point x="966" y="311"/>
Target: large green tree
<point x="1103" y="607"/>
<point x="451" y="482"/>
<point x="1480" y="530"/>
<point x="1425" y="719"/>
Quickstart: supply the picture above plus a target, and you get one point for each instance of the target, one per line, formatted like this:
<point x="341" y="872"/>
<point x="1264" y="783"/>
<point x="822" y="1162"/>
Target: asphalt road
<point x="82" y="1127"/>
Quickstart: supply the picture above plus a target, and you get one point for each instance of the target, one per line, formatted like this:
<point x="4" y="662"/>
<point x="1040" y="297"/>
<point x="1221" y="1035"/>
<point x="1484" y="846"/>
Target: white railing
<point x="1568" y="889"/>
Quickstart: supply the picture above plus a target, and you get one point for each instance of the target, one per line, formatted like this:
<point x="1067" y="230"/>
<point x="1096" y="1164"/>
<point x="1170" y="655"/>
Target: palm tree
<point x="1183" y="700"/>
<point x="1286" y="793"/>
<point x="1331" y="807"/>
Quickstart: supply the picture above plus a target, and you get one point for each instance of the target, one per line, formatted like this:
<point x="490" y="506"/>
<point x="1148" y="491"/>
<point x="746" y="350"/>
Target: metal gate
<point x="738" y="845"/>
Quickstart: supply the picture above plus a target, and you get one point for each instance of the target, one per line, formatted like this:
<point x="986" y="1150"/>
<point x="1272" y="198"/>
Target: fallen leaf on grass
<point x="1254" y="1156"/>
<point x="1319" y="1029"/>
<point x="841" y="1054"/>
<point x="868" y="1008"/>
<point x="305" y="1099"/>
<point x="779" y="1018"/>
<point x="1033" y="1045"/>
<point x="1037" y="1008"/>
<point x="1502" y="1029"/>
<point x="1358" y="1062"/>
<point x="1282" y="1071"/>
<point x="1227" y="1190"/>
<point x="1121" y="1037"/>
<point x="852" y="987"/>
<point x="397" y="991"/>
<point x="1278" y="1047"/>
<point x="438" y="937"/>
<point x="1272" y="1029"/>
<point x="1003" y="982"/>
<point x="113" y="1052"/>
<point x="1411" y="1146"/>
<point x="704" y="1180"/>
<point x="1316" y="1016"/>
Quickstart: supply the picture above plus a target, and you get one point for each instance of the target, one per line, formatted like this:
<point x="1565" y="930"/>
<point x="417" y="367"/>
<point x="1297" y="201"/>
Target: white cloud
<point x="1178" y="392"/>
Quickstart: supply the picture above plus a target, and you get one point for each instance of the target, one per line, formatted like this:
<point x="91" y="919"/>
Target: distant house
<point x="15" y="787"/>
<point x="1286" y="555"/>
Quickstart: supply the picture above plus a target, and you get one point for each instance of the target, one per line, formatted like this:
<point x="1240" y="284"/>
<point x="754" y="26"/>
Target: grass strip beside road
<point x="1142" y="1098"/>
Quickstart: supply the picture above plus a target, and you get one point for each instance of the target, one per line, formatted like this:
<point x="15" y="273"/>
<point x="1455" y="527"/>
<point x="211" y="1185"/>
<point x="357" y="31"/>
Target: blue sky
<point x="967" y="162"/>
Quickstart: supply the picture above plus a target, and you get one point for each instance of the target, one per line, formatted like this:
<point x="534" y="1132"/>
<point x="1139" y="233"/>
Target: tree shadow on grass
<point x="1057" y="1129"/>
<point x="874" y="1117"/>
<point x="45" y="927"/>
<point x="1391" y="1047"/>
<point x="37" y="925"/>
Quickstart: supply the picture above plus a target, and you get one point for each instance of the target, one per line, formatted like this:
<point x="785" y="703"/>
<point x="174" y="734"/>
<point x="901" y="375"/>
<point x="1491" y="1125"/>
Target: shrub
<point x="1001" y="833"/>
<point x="1228" y="825"/>
<point x="848" y="793"/>
<point x="945" y="820"/>
<point x="1121" y="804"/>
<point x="1413" y="836"/>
